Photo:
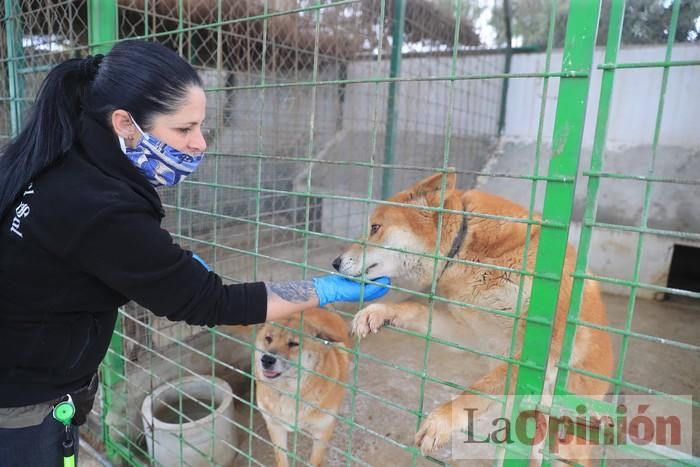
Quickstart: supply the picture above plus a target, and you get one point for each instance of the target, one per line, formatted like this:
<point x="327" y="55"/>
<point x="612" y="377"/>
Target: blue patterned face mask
<point x="160" y="163"/>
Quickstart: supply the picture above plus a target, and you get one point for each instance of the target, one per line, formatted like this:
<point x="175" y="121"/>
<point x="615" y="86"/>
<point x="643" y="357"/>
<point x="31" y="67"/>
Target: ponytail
<point x="50" y="129"/>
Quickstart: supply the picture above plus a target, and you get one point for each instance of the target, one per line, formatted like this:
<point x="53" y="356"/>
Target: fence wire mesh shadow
<point x="319" y="112"/>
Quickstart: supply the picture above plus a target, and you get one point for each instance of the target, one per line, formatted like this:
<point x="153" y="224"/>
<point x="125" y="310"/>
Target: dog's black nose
<point x="268" y="360"/>
<point x="336" y="263"/>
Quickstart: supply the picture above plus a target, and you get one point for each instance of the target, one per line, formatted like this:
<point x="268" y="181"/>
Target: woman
<point x="80" y="236"/>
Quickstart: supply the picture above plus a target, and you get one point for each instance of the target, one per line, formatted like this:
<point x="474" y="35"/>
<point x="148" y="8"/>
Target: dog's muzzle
<point x="268" y="363"/>
<point x="337" y="262"/>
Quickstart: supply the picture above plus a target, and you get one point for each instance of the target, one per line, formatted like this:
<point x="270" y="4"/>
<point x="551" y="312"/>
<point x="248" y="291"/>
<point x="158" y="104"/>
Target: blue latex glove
<point x="339" y="289"/>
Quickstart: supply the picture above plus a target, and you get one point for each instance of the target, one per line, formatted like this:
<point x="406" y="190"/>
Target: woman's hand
<point x="285" y="298"/>
<point x="339" y="289"/>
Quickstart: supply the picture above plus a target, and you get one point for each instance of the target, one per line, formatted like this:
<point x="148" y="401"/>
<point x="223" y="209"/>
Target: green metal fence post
<point x="102" y="25"/>
<point x="398" y="20"/>
<point x="606" y="89"/>
<point x="506" y="66"/>
<point x="102" y="31"/>
<point x="558" y="203"/>
<point x="15" y="55"/>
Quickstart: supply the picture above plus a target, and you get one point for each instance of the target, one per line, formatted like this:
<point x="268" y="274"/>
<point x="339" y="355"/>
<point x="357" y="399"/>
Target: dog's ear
<point x="434" y="183"/>
<point x="330" y="337"/>
<point x="326" y="325"/>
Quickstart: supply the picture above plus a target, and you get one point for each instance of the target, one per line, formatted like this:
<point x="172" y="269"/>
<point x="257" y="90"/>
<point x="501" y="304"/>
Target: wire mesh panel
<point x="651" y="176"/>
<point x="298" y="141"/>
<point x="320" y="113"/>
<point x="36" y="36"/>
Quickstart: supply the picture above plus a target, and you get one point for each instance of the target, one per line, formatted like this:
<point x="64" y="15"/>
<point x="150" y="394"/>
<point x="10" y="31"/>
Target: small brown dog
<point x="276" y="357"/>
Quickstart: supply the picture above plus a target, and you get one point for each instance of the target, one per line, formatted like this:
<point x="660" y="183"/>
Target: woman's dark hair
<point x="143" y="78"/>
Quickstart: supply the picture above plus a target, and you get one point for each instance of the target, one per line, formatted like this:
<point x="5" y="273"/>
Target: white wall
<point x="423" y="105"/>
<point x="634" y="104"/>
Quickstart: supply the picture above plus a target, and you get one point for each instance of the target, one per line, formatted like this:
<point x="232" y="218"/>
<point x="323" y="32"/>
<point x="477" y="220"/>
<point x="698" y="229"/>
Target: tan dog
<point x="478" y="239"/>
<point x="276" y="357"/>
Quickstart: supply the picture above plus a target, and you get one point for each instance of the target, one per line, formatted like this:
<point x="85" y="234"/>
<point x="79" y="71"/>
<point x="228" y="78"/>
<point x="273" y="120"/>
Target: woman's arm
<point x="285" y="298"/>
<point x="129" y="252"/>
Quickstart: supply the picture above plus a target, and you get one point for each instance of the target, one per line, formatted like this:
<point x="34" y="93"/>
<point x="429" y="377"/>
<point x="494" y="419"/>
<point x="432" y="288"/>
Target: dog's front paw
<point x="436" y="430"/>
<point x="371" y="319"/>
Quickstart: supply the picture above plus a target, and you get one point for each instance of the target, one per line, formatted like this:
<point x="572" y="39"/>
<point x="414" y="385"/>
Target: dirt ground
<point x="386" y="393"/>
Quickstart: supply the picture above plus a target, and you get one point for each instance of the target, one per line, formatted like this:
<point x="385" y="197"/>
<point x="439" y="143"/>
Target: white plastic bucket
<point x="208" y="435"/>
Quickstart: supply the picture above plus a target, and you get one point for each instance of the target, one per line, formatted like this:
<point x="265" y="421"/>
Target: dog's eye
<point x="292" y="344"/>
<point x="268" y="339"/>
<point x="375" y="228"/>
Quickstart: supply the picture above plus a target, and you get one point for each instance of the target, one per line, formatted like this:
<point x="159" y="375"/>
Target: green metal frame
<point x="102" y="34"/>
<point x="580" y="276"/>
<point x="506" y="65"/>
<point x="397" y="28"/>
<point x="15" y="60"/>
<point x="558" y="203"/>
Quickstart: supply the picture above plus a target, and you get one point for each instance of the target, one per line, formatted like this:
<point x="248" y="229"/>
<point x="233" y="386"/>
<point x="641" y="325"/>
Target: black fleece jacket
<point x="83" y="239"/>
